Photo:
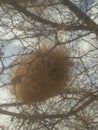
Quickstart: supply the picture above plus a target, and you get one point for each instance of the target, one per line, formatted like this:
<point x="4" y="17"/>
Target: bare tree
<point x="25" y="26"/>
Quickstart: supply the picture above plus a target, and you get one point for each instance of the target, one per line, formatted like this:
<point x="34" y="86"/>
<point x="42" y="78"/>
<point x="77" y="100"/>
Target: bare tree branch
<point x="82" y="16"/>
<point x="58" y="26"/>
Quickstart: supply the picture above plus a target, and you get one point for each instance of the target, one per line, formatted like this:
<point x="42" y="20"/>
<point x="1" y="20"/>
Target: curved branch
<point x="55" y="116"/>
<point x="82" y="16"/>
<point x="58" y="26"/>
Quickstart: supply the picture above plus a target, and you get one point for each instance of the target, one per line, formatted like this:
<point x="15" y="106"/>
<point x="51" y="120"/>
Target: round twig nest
<point x="42" y="74"/>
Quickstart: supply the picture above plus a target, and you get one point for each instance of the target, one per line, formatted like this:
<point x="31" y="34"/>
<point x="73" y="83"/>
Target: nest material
<point x="43" y="74"/>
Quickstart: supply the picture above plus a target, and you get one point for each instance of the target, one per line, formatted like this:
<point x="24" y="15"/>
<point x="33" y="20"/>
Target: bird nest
<point x="42" y="74"/>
